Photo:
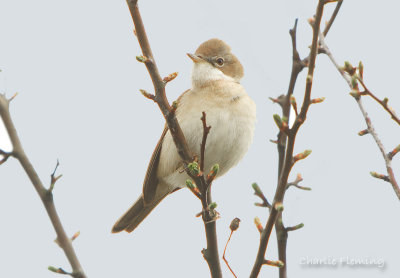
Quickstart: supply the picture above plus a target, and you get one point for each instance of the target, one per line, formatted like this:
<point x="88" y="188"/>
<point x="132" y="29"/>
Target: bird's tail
<point x="135" y="215"/>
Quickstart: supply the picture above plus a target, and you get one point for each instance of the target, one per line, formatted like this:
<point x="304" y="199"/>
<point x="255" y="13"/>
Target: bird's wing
<point x="151" y="181"/>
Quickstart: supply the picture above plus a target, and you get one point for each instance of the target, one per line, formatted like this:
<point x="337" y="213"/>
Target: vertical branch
<point x="211" y="253"/>
<point x="297" y="66"/>
<point x="45" y="195"/>
<point x="288" y="161"/>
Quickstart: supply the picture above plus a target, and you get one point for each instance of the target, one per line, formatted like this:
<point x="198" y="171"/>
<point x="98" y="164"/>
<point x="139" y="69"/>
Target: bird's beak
<point x="194" y="57"/>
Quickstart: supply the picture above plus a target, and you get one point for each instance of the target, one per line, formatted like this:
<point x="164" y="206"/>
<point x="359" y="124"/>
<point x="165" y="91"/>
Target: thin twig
<point x="381" y="102"/>
<point x="223" y="255"/>
<point x="371" y="129"/>
<point x="234" y="226"/>
<point x="45" y="195"/>
<point x="211" y="252"/>
<point x="288" y="163"/>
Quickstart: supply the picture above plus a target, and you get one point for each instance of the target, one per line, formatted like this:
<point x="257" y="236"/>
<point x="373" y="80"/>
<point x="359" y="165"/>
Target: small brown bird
<point x="230" y="112"/>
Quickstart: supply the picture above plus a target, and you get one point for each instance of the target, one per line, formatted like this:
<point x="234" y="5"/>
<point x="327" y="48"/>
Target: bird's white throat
<point x="203" y="72"/>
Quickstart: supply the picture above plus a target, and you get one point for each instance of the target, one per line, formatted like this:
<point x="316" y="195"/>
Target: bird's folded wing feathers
<point x="151" y="180"/>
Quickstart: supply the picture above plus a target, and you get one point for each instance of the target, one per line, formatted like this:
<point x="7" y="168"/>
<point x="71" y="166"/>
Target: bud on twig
<point x="282" y="125"/>
<point x="142" y="59"/>
<point x="294" y="104"/>
<point x="212" y="206"/>
<point x="148" y="95"/>
<point x="170" y="77"/>
<point x="274" y="263"/>
<point x="259" y="226"/>
<point x="194" y="168"/>
<point x="380" y="176"/>
<point x="279" y="206"/>
<point x="213" y="172"/>
<point x="361" y="69"/>
<point x="58" y="270"/>
<point x="301" y="156"/>
<point x="317" y="100"/>
<point x="363" y="132"/>
<point x="74" y="236"/>
<point x="193" y="188"/>
<point x="394" y="152"/>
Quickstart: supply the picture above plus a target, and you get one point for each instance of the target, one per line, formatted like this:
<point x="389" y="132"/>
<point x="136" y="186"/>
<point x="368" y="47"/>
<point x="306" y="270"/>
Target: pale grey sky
<point x="73" y="64"/>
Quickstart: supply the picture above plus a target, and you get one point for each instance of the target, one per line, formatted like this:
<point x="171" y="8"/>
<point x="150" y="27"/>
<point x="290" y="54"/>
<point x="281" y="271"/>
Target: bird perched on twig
<point x="231" y="113"/>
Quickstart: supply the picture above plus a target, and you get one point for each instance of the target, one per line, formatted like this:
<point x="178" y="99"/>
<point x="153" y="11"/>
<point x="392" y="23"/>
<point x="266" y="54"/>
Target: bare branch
<point x="371" y="130"/>
<point x="45" y="195"/>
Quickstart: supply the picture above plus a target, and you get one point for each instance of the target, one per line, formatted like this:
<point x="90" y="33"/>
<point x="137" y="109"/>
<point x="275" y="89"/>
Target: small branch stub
<point x="294" y="228"/>
<point x="260" y="194"/>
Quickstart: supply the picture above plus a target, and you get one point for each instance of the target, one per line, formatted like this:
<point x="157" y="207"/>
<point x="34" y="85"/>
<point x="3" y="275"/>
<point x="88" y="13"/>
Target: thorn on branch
<point x="294" y="228"/>
<point x="260" y="194"/>
<point x="148" y="95"/>
<point x="301" y="156"/>
<point x="274" y="263"/>
<point x="59" y="270"/>
<point x="54" y="179"/>
<point x="380" y="176"/>
<point x="258" y="224"/>
<point x="363" y="132"/>
<point x="394" y="152"/>
<point x="170" y="77"/>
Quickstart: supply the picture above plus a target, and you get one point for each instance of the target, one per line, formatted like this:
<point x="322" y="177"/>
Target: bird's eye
<point x="220" y="61"/>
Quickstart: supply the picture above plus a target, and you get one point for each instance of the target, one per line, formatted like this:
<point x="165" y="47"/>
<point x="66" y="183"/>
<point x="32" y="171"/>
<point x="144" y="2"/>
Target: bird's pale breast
<point x="231" y="114"/>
